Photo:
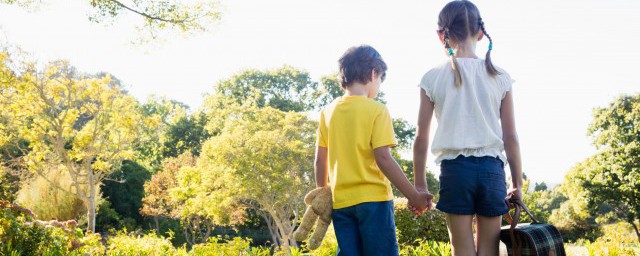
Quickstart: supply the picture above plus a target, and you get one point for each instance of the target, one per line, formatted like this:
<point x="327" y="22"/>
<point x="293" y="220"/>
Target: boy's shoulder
<point x="366" y="103"/>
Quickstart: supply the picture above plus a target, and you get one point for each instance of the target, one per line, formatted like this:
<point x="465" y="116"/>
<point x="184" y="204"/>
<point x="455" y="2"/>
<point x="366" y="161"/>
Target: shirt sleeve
<point x="426" y="83"/>
<point x="506" y="82"/>
<point x="321" y="134"/>
<point x="383" y="134"/>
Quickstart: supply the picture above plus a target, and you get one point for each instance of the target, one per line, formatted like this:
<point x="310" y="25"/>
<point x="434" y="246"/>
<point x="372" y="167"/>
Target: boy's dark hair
<point x="357" y="63"/>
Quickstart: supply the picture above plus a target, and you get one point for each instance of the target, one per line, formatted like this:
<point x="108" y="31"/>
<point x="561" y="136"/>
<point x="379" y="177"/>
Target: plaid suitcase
<point x="539" y="239"/>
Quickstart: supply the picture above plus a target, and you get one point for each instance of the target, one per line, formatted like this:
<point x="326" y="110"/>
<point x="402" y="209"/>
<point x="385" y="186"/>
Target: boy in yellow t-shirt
<point x="354" y="136"/>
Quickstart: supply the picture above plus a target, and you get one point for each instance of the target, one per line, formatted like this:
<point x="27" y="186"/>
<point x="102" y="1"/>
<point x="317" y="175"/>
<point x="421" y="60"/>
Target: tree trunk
<point x="272" y="230"/>
<point x="635" y="227"/>
<point x="91" y="215"/>
<point x="157" y="222"/>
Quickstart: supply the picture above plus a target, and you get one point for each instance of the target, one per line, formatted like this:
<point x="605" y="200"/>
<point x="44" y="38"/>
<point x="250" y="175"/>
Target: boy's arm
<point x="321" y="171"/>
<point x="394" y="173"/>
<point x="511" y="144"/>
<point x="421" y="144"/>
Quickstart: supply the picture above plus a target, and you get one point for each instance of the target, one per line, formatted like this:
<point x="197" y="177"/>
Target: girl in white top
<point x="474" y="107"/>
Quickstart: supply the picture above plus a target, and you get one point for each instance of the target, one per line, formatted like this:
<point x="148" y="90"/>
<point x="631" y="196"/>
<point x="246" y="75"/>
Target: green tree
<point x="124" y="191"/>
<point x="572" y="217"/>
<point x="285" y="88"/>
<point x="612" y="176"/>
<point x="155" y="16"/>
<point x="169" y="132"/>
<point x="268" y="155"/>
<point x="80" y="125"/>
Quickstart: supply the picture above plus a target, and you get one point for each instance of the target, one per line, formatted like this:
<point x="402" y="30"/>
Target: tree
<point x="80" y="125"/>
<point x="170" y="132"/>
<point x="157" y="202"/>
<point x="268" y="155"/>
<point x="612" y="176"/>
<point x="285" y="88"/>
<point x="155" y="16"/>
<point x="125" y="190"/>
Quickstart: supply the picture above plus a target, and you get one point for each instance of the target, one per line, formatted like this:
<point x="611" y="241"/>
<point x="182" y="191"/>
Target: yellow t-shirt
<point x="350" y="128"/>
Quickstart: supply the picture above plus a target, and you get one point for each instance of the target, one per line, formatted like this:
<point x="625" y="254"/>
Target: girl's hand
<point x="515" y="193"/>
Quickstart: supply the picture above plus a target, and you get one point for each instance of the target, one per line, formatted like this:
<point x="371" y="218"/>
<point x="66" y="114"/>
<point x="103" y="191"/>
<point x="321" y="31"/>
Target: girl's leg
<point x="461" y="234"/>
<point x="488" y="235"/>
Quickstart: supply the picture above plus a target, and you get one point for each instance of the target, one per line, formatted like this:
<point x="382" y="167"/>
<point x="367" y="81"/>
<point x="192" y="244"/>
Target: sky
<point x="567" y="57"/>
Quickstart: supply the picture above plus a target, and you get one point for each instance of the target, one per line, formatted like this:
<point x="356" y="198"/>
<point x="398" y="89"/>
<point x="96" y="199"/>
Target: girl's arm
<point x="321" y="172"/>
<point x="511" y="144"/>
<point x="421" y="145"/>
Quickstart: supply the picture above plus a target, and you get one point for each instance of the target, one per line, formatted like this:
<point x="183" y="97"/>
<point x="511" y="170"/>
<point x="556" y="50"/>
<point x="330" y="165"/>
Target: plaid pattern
<point x="539" y="239"/>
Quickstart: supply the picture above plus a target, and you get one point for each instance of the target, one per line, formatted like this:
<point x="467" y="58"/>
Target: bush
<point x="214" y="247"/>
<point x="431" y="226"/>
<point x="427" y="248"/>
<point x="147" y="245"/>
<point x="20" y="235"/>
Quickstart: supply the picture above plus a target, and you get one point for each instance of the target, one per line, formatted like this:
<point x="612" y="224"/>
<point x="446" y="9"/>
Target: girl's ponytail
<point x="454" y="62"/>
<point x="487" y="60"/>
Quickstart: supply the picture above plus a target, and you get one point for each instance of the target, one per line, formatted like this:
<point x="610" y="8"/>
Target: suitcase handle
<point x="516" y="244"/>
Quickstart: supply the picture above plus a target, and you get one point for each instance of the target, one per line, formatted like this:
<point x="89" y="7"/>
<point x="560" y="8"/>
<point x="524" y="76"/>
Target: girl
<point x="474" y="106"/>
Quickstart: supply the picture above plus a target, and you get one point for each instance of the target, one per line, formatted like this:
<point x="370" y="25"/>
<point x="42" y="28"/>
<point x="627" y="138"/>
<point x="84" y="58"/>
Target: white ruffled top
<point x="468" y="116"/>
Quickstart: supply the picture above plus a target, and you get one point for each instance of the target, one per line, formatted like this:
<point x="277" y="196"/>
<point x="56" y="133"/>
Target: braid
<point x="487" y="61"/>
<point x="454" y="62"/>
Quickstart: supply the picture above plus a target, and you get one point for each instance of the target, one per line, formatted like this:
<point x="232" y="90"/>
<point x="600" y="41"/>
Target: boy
<point x="354" y="137"/>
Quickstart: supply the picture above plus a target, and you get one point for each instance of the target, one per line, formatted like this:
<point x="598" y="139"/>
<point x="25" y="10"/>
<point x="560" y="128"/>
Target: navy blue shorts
<point x="366" y="229"/>
<point x="473" y="185"/>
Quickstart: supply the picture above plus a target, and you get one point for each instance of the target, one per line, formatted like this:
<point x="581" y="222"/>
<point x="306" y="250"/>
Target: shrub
<point x="427" y="248"/>
<point x="147" y="245"/>
<point x="21" y="235"/>
<point x="431" y="226"/>
<point x="215" y="247"/>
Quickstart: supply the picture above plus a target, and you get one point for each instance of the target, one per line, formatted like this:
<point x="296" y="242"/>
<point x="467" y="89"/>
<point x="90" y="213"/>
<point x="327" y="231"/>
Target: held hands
<point x="422" y="203"/>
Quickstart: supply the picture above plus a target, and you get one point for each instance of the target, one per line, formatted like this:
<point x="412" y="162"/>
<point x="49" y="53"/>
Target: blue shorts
<point x="366" y="229"/>
<point x="473" y="185"/>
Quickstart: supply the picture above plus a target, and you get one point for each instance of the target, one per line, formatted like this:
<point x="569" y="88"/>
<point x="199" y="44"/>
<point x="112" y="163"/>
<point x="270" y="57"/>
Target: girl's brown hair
<point x="457" y="21"/>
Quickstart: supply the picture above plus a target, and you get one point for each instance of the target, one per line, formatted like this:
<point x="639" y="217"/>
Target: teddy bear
<point x="319" y="206"/>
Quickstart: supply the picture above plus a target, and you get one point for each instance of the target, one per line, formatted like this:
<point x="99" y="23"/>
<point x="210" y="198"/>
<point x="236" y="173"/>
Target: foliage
<point x="612" y="176"/>
<point x="540" y="202"/>
<point x="81" y="125"/>
<point x="264" y="157"/>
<point x="125" y="190"/>
<point x="214" y="247"/>
<point x="107" y="219"/>
<point x="285" y="88"/>
<point x="617" y="239"/>
<point x="49" y="202"/>
<point x="146" y="245"/>
<point x="20" y="235"/>
<point x="155" y="17"/>
<point x="427" y="248"/>
<point x="9" y="183"/>
<point x="169" y="132"/>
<point x="429" y="226"/>
<point x="573" y="218"/>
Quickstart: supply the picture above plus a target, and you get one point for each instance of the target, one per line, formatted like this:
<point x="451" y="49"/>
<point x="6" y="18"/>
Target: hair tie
<point x="450" y="51"/>
<point x="490" y="46"/>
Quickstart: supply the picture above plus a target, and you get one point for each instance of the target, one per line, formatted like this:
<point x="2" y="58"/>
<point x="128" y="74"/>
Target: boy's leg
<point x="488" y="235"/>
<point x="377" y="228"/>
<point x="345" y="225"/>
<point x="461" y="234"/>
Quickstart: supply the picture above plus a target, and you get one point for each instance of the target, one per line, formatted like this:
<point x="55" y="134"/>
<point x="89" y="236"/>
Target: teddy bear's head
<point x="321" y="201"/>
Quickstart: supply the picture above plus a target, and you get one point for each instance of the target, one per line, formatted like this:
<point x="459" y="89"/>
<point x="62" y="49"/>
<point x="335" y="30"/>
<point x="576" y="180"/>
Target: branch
<point x="147" y="15"/>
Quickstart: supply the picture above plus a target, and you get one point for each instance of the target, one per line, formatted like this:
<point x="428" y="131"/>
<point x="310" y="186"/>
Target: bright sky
<point x="567" y="57"/>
